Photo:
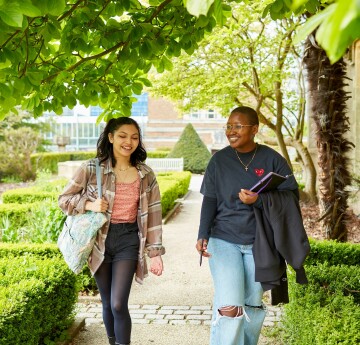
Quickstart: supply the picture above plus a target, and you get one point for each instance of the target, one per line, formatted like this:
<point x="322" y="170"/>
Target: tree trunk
<point x="326" y="88"/>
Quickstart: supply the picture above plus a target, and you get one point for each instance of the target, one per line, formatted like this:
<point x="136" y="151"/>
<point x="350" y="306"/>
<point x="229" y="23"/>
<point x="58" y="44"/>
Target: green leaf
<point x="196" y="7"/>
<point x="12" y="16"/>
<point x="19" y="84"/>
<point x="202" y="21"/>
<point x="55" y="7"/>
<point x="167" y="63"/>
<point x="9" y="102"/>
<point x="5" y="91"/>
<point x="145" y="81"/>
<point x="137" y="88"/>
<point x="29" y="9"/>
<point x="311" y="24"/>
<point x="145" y="49"/>
<point x="35" y="78"/>
<point x="218" y="12"/>
<point x="7" y="63"/>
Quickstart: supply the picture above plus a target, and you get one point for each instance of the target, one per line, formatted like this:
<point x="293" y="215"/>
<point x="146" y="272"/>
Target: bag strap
<point x="98" y="177"/>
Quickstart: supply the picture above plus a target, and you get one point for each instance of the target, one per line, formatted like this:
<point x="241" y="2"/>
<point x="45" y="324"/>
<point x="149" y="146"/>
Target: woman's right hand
<point x="201" y="246"/>
<point x="99" y="205"/>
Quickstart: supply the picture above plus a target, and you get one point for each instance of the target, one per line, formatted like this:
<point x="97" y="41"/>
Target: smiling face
<point x="241" y="139"/>
<point x="125" y="140"/>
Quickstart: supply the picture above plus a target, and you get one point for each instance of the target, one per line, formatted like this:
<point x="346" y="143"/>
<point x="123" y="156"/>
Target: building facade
<point x="160" y="124"/>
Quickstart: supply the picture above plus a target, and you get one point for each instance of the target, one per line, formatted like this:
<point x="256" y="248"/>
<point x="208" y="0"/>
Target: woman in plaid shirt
<point x="132" y="204"/>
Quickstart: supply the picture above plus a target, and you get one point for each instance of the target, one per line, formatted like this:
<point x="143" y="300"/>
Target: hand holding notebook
<point x="269" y="182"/>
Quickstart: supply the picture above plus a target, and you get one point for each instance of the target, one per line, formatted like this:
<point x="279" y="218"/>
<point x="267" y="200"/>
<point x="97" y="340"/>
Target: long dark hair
<point x="105" y="148"/>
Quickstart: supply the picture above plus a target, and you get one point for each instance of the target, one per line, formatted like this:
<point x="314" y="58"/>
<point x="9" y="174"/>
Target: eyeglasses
<point x="237" y="127"/>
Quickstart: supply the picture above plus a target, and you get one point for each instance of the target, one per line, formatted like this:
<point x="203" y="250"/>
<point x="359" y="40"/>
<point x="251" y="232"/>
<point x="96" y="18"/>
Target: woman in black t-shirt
<point x="227" y="228"/>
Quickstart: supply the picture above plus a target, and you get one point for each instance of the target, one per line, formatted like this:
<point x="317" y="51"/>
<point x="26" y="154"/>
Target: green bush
<point x="39" y="192"/>
<point x="84" y="280"/>
<point x="37" y="300"/>
<point x="172" y="186"/>
<point x="157" y="154"/>
<point x="192" y="149"/>
<point x="49" y="160"/>
<point x="334" y="253"/>
<point x="46" y="250"/>
<point x="325" y="311"/>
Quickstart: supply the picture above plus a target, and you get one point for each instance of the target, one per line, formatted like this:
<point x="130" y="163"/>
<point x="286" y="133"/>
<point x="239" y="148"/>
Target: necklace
<point x="246" y="165"/>
<point x="128" y="167"/>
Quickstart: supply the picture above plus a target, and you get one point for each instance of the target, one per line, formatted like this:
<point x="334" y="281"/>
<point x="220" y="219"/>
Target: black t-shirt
<point x="225" y="176"/>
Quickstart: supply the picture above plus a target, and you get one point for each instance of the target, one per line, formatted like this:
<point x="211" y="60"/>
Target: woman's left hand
<point x="247" y="196"/>
<point x="156" y="265"/>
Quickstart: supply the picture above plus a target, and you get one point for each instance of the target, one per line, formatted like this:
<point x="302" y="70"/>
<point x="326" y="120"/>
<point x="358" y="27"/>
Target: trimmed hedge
<point x="44" y="250"/>
<point x="37" y="300"/>
<point x="326" y="311"/>
<point x="172" y="186"/>
<point x="333" y="252"/>
<point x="32" y="194"/>
<point x="49" y="160"/>
<point x="84" y="280"/>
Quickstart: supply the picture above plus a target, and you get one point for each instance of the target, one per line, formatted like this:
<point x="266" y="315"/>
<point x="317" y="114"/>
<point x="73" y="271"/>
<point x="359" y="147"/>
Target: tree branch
<point x="71" y="10"/>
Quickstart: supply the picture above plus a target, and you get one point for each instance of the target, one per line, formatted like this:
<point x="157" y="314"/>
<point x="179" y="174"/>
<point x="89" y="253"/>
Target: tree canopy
<point x="55" y="53"/>
<point x="338" y="21"/>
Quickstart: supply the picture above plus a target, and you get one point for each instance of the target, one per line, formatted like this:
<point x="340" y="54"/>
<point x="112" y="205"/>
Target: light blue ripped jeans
<point x="233" y="271"/>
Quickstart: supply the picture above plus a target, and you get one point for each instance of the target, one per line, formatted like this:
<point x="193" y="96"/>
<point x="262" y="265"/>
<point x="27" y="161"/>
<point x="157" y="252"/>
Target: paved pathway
<point x="90" y="309"/>
<point x="176" y="307"/>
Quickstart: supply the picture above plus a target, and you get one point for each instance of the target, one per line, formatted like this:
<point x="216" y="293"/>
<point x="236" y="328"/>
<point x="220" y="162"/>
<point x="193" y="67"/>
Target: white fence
<point x="68" y="168"/>
<point x="165" y="164"/>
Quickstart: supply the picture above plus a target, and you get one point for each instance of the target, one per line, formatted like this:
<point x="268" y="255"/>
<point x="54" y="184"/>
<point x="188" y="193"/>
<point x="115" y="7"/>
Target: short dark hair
<point x="105" y="148"/>
<point x="250" y="113"/>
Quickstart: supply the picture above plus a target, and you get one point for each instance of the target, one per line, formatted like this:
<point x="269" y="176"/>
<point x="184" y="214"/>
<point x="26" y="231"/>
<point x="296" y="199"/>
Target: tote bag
<point x="79" y="232"/>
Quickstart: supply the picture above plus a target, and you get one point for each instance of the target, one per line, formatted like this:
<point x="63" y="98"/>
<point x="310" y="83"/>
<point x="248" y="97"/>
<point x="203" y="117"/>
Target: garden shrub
<point x="172" y="186"/>
<point x="39" y="192"/>
<point x="325" y="311"/>
<point x="84" y="280"/>
<point x="333" y="252"/>
<point x="157" y="154"/>
<point x="192" y="149"/>
<point x="49" y="160"/>
<point x="37" y="300"/>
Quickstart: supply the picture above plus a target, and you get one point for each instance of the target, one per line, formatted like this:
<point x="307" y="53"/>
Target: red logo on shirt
<point x="259" y="172"/>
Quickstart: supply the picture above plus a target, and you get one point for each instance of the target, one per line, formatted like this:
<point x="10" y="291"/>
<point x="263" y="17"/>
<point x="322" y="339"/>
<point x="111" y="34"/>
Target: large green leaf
<point x="310" y="25"/>
<point x="29" y="9"/>
<point x="196" y="7"/>
<point x="11" y="16"/>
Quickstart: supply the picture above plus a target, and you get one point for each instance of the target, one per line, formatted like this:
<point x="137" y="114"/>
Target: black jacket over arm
<point x="280" y="236"/>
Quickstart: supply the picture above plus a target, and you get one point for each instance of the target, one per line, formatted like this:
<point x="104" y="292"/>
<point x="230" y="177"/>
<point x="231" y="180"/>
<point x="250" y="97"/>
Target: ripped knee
<point x="231" y="311"/>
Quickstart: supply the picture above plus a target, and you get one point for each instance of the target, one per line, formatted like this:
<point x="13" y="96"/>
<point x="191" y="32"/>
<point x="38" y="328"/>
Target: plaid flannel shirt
<point x="83" y="187"/>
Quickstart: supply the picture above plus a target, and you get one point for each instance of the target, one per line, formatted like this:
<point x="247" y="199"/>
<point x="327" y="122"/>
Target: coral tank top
<point x="126" y="202"/>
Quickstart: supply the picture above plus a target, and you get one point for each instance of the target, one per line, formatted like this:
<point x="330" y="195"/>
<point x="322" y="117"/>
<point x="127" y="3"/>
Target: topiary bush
<point x="192" y="149"/>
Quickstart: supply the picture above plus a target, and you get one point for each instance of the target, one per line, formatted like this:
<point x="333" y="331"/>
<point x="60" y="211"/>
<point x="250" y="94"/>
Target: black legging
<point x="114" y="282"/>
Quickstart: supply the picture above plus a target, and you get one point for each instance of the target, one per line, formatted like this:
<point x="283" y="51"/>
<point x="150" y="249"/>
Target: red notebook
<point x="269" y="182"/>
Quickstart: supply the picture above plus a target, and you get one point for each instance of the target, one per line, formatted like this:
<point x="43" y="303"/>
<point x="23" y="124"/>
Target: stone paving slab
<point x="91" y="310"/>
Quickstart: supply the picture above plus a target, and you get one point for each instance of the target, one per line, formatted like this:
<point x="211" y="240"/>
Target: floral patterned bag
<point x="78" y="235"/>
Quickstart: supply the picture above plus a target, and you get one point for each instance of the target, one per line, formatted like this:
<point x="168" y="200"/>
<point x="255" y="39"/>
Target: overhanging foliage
<point x="54" y="53"/>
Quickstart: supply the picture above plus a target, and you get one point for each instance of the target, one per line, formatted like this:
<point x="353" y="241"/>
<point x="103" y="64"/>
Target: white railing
<point x="165" y="164"/>
<point x="68" y="168"/>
